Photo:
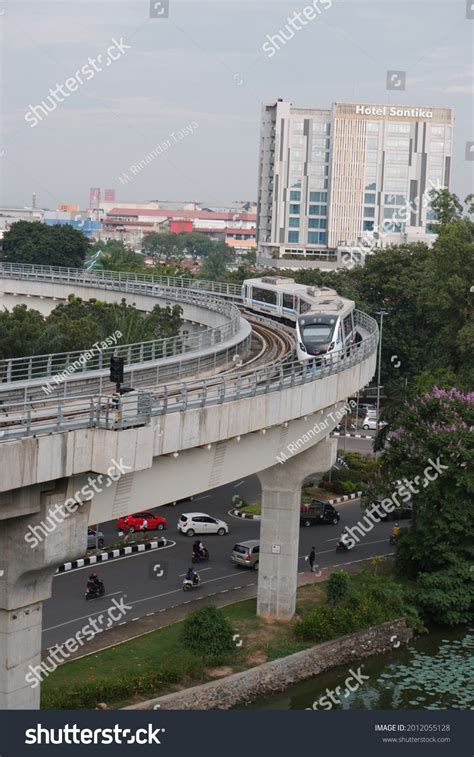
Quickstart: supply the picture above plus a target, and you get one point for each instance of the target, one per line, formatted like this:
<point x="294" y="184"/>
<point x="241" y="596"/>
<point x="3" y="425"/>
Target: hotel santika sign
<point x="392" y="110"/>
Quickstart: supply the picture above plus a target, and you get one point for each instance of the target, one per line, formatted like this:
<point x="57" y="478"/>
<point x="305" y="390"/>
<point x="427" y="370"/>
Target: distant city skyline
<point x="109" y="90"/>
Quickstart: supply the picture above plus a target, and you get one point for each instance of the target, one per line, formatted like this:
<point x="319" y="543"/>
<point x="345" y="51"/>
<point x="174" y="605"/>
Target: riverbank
<point x="271" y="677"/>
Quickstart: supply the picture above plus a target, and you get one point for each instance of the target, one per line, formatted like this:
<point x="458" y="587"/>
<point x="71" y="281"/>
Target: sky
<point x="194" y="78"/>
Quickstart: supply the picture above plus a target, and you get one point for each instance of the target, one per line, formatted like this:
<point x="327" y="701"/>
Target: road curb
<point x="247" y="516"/>
<point x="354" y="436"/>
<point x="345" y="498"/>
<point x="106" y="556"/>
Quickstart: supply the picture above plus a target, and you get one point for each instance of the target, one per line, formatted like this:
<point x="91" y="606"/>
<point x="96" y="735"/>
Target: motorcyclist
<point x="198" y="548"/>
<point x="94" y="583"/>
<point x="191" y="575"/>
<point x="396" y="531"/>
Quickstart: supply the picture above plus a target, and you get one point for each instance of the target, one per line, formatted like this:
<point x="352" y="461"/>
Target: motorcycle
<point x="341" y="546"/>
<point x="95" y="591"/>
<point x="393" y="540"/>
<point x="188" y="584"/>
<point x="201" y="556"/>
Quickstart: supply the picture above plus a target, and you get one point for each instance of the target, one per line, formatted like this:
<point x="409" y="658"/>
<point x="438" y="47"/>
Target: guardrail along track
<point x="29" y="418"/>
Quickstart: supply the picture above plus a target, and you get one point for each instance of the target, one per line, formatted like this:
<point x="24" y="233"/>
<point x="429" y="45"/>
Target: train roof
<point x="322" y="299"/>
<point x="289" y="285"/>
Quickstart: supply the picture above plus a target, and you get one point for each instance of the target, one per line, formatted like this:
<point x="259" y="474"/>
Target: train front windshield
<point x="317" y="333"/>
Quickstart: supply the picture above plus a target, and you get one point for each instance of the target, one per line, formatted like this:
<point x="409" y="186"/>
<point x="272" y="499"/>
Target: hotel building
<point x="331" y="178"/>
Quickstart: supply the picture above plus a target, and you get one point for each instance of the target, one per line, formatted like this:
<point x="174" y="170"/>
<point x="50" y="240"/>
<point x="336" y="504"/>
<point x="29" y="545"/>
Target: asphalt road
<point x="151" y="581"/>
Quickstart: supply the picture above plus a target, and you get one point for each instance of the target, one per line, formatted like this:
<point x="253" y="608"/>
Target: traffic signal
<point x="116" y="369"/>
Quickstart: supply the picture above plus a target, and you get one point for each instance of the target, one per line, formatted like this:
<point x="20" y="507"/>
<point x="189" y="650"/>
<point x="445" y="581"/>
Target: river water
<point x="435" y="672"/>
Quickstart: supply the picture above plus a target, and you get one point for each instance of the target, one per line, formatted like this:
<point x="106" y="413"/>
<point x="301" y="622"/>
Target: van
<point x="247" y="554"/>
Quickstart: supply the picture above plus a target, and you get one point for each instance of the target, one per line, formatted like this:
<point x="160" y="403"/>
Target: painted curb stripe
<point x="110" y="555"/>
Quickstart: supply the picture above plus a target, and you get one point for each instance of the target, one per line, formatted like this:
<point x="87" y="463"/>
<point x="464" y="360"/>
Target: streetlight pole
<point x="381" y="313"/>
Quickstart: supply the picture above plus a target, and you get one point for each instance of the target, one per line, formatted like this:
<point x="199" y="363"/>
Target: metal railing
<point x="93" y="359"/>
<point x="55" y="273"/>
<point x="25" y="419"/>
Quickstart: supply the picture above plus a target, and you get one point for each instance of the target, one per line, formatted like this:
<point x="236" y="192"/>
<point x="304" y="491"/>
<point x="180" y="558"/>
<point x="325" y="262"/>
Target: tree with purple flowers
<point x="431" y="452"/>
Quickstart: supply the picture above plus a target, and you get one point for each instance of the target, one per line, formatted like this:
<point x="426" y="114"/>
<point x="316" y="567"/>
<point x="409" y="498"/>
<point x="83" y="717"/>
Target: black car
<point x="318" y="512"/>
<point x="400" y="513"/>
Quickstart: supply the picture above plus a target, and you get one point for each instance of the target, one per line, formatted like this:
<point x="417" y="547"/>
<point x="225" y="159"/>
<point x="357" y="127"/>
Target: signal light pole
<point x="116" y="371"/>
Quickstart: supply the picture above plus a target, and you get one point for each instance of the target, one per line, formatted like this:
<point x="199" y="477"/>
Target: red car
<point x="135" y="522"/>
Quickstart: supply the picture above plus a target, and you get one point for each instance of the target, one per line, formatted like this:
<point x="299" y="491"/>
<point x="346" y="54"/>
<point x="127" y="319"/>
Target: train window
<point x="288" y="301"/>
<point x="304" y="306"/>
<point x="348" y="324"/>
<point x="317" y="333"/>
<point x="264" y="295"/>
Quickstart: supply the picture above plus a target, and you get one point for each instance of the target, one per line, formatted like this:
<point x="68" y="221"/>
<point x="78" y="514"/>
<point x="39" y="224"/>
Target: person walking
<point x="312" y="558"/>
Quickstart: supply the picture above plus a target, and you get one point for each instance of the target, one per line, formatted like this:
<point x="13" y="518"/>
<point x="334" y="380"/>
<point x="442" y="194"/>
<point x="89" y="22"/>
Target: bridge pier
<point x="280" y="527"/>
<point x="27" y="568"/>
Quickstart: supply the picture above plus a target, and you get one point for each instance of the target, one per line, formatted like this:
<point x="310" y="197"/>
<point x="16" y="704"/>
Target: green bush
<point x="208" y="634"/>
<point x="338" y="587"/>
<point x="374" y="601"/>
<point x="348" y="487"/>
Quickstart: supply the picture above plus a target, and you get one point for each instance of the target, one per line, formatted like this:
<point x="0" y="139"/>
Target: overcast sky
<point x="205" y="64"/>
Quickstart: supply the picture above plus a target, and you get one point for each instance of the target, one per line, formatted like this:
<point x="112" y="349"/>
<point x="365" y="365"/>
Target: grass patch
<point x="254" y="508"/>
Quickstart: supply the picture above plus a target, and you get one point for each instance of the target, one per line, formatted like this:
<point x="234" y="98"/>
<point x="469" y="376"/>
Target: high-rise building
<point x="109" y="195"/>
<point x="330" y="177"/>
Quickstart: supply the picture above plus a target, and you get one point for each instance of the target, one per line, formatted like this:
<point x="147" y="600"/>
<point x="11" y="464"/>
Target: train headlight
<point x="331" y="346"/>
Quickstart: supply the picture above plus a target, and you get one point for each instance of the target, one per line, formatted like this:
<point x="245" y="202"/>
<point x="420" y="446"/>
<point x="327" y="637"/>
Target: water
<point x="435" y="672"/>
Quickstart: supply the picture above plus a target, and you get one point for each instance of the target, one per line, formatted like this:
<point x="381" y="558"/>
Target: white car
<point x="370" y="422"/>
<point x="201" y="523"/>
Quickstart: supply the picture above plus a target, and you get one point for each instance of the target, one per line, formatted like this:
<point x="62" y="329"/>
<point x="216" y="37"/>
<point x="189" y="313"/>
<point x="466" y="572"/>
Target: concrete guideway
<point x="192" y="436"/>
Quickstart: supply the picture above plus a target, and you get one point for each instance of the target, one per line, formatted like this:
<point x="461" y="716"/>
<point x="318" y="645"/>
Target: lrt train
<point x="324" y="321"/>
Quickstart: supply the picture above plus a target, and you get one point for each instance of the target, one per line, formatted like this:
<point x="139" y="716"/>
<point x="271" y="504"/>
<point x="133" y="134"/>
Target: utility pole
<point x="381" y="313"/>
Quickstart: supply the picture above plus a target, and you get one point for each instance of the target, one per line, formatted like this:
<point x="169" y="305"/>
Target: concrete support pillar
<point x="27" y="568"/>
<point x="280" y="527"/>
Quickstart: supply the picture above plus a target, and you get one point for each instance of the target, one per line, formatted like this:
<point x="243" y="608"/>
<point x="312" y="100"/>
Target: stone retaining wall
<point x="279" y="675"/>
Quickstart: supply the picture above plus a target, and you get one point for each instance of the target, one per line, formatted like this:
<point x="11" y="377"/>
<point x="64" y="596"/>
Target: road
<point x="152" y="581"/>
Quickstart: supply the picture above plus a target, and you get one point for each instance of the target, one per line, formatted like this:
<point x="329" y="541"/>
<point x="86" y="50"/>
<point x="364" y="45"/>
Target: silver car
<point x="246" y="553"/>
<point x="92" y="541"/>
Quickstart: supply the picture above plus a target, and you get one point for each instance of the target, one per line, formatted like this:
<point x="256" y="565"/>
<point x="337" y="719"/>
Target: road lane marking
<point x="201" y="571"/>
<point x="239" y="483"/>
<point x="90" y="615"/>
<point x="145" y="599"/>
<point x="361" y="544"/>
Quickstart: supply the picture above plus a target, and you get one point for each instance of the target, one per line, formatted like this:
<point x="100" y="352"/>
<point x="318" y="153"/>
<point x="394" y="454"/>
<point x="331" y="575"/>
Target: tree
<point x="195" y="244"/>
<point x="215" y="265"/>
<point x="446" y="206"/>
<point x="39" y="244"/>
<point x="431" y="450"/>
<point x="164" y="245"/>
<point x="19" y="331"/>
<point x="110" y="247"/>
